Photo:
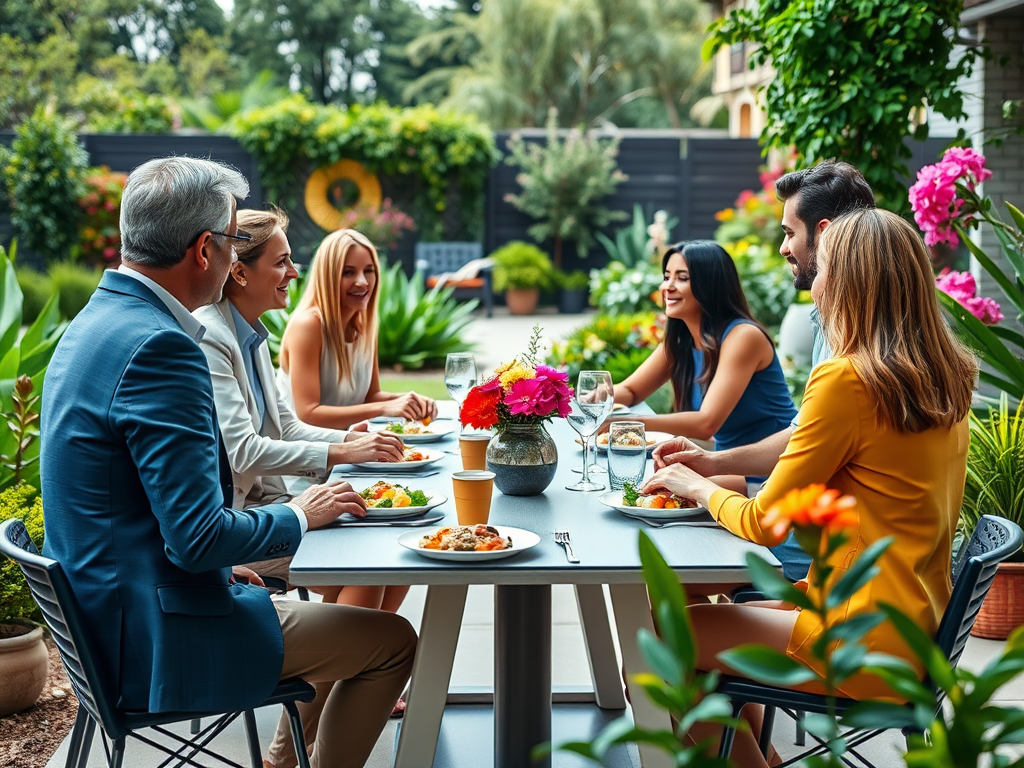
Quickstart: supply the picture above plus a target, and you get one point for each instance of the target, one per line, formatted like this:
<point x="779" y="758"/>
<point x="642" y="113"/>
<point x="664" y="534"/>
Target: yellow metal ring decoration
<point x="319" y="206"/>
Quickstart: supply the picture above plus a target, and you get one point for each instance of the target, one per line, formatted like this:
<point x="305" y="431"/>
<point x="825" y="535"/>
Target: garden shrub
<point x="418" y="328"/>
<point x="617" y="289"/>
<point x="36" y="289"/>
<point x="521" y="265"/>
<point x="100" y="237"/>
<point x="16" y="601"/>
<point x="75" y="283"/>
<point x="431" y="151"/>
<point x="44" y="178"/>
<point x="618" y="344"/>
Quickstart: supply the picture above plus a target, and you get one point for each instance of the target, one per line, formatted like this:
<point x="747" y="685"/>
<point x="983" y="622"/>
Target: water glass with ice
<point x="627" y="454"/>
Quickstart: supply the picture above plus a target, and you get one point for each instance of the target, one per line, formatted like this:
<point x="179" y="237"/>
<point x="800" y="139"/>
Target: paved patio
<point x="499" y="339"/>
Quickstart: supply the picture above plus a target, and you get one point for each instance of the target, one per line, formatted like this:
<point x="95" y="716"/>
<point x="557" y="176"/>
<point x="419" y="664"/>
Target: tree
<point x="849" y="74"/>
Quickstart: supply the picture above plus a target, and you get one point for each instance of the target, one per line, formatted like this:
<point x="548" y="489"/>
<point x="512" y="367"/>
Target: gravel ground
<point x="32" y="736"/>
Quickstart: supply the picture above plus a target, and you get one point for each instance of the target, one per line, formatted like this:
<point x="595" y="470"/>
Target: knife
<point x="361" y="523"/>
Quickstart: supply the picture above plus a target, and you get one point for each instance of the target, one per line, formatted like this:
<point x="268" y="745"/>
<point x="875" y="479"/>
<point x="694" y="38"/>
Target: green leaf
<point x="853" y="629"/>
<point x="660" y="658"/>
<point x="668" y="601"/>
<point x="10" y="305"/>
<point x="767" y="665"/>
<point x="878" y="714"/>
<point x="859" y="574"/>
<point x="931" y="656"/>
<point x="772" y="584"/>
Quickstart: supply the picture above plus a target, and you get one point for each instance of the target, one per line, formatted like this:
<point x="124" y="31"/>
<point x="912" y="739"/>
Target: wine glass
<point x="590" y="407"/>
<point x="459" y="375"/>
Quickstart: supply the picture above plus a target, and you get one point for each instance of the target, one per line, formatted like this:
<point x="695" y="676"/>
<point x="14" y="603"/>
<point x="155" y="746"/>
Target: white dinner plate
<point x="402" y="466"/>
<point x="613" y="499"/>
<point x="439" y="428"/>
<point x="521" y="540"/>
<point x="654" y="439"/>
<point x="388" y="513"/>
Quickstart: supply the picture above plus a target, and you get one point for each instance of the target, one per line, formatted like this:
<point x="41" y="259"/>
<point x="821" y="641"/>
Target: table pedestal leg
<point x="522" y="674"/>
<point x="597" y="637"/>
<point x="633" y="611"/>
<point x="431" y="674"/>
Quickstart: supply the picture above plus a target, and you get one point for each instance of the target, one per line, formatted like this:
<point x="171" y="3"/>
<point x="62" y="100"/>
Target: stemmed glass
<point x="590" y="407"/>
<point x="459" y="375"/>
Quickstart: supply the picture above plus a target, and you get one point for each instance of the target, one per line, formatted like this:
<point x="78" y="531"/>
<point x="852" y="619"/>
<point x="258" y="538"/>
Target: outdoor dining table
<point x="603" y="539"/>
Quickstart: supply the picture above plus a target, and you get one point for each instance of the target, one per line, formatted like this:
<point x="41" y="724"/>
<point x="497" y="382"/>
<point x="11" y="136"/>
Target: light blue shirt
<point x="820" y="351"/>
<point x="250" y="337"/>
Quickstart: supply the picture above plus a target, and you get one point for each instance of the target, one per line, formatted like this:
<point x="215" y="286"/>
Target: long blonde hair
<point x="323" y="294"/>
<point x="880" y="310"/>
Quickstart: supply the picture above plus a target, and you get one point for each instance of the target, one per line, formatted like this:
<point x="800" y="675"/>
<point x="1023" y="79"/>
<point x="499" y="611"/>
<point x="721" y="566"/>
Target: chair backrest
<point x="51" y="590"/>
<point x="438" y="258"/>
<point x="994" y="540"/>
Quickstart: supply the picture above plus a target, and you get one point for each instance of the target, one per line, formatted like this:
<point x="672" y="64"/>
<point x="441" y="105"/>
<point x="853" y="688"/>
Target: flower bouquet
<point x="515" y="402"/>
<point x="520" y="393"/>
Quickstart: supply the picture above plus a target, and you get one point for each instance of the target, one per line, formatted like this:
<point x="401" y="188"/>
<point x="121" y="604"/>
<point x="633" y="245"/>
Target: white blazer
<point x="290" y="447"/>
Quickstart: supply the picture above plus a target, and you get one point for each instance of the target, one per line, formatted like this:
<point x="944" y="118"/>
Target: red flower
<point x="480" y="408"/>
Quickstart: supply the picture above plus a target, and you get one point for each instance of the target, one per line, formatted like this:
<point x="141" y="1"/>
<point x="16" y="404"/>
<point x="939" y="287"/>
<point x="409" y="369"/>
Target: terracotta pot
<point x="522" y="301"/>
<point x="24" y="664"/>
<point x="1003" y="609"/>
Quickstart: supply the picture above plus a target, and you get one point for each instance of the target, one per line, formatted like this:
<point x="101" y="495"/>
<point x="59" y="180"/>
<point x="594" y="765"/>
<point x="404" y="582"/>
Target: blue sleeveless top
<point x="765" y="407"/>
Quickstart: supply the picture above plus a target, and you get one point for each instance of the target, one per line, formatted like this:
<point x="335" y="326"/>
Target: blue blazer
<point x="136" y="487"/>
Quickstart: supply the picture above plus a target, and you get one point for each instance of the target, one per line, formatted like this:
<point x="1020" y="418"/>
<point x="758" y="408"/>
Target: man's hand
<point x="245" y="575"/>
<point x="682" y="451"/>
<point x="378" y="446"/>
<point x="323" y="504"/>
<point x="359" y="426"/>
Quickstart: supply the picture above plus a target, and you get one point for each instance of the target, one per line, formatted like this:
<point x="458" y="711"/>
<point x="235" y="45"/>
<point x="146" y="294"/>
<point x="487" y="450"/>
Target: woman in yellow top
<point x="884" y="421"/>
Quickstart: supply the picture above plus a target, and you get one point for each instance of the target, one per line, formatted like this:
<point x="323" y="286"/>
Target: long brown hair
<point x="879" y="309"/>
<point x="323" y="293"/>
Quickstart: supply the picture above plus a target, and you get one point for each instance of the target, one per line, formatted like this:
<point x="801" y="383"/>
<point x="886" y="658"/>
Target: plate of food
<point x="470" y="543"/>
<point x="653" y="439"/>
<point x="426" y="431"/>
<point x="413" y="459"/>
<point x="654" y="506"/>
<point x="387" y="500"/>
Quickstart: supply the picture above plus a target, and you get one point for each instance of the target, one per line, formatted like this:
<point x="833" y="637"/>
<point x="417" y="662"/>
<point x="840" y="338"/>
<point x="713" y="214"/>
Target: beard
<point x="805" y="274"/>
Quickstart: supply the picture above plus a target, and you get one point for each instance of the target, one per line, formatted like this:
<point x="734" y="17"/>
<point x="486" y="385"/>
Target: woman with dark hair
<point x="727" y="382"/>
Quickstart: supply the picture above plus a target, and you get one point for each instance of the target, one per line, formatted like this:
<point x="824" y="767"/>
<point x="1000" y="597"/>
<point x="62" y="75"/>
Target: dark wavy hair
<point x="715" y="284"/>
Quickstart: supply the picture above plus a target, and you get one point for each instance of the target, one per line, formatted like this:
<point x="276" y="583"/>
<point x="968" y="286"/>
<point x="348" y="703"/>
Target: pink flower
<point x="968" y="165"/>
<point x="962" y="287"/>
<point x="522" y="398"/>
<point x="935" y="204"/>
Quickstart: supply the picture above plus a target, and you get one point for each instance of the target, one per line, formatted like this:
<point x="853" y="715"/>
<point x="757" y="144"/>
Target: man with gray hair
<point x="136" y="492"/>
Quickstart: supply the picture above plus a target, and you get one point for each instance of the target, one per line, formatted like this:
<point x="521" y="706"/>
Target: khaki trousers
<point x="359" y="660"/>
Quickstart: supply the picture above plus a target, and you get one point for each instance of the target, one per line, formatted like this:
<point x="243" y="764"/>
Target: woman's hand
<point x="360" y="426"/>
<point x="376" y="446"/>
<point x="683" y="451"/>
<point x="682" y="481"/>
<point x="409" y="406"/>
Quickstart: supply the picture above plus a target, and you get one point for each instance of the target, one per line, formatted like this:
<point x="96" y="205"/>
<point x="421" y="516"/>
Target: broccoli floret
<point x="395" y="427"/>
<point x="417" y="498"/>
<point x="629" y="495"/>
<point x="384" y="504"/>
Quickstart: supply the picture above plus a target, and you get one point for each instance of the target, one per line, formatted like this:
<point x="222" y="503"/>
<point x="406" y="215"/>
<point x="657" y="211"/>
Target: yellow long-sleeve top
<point x="907" y="485"/>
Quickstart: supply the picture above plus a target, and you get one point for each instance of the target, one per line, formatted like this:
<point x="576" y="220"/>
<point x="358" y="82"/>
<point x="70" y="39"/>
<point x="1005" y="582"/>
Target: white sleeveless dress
<point x="333" y="389"/>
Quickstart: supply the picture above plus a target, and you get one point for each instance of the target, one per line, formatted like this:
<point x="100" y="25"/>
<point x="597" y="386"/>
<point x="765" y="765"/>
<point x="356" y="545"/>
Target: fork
<point x="562" y="538"/>
<point x="679" y="523"/>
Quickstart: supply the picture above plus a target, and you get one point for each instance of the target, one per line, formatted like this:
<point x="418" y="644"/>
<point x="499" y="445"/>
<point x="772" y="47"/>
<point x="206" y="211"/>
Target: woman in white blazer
<point x="264" y="438"/>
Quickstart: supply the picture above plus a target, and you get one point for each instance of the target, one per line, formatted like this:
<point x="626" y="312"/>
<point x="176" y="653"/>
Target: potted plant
<point x="572" y="291"/>
<point x="564" y="183"/>
<point x="24" y="662"/>
<point x="521" y="271"/>
<point x="995" y="486"/>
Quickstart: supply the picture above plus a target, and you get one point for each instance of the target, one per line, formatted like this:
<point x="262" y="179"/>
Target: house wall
<point x="1004" y="34"/>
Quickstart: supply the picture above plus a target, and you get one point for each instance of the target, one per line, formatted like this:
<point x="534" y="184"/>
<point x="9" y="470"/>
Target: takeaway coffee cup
<point x="473" y="490"/>
<point x="474" y="451"/>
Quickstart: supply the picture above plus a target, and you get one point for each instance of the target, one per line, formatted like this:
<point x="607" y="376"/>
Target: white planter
<point x="795" y="338"/>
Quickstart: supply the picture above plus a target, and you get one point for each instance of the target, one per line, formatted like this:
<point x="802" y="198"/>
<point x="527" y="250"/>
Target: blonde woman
<point x="884" y="421"/>
<point x="329" y="351"/>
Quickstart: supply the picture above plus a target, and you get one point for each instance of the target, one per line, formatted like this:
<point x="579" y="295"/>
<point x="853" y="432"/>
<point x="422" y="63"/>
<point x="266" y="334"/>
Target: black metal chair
<point x="994" y="540"/>
<point x="97" y="703"/>
<point x="435" y="259"/>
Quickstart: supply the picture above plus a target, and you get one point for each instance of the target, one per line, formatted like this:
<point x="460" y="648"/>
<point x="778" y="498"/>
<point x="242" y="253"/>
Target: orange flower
<point x="815" y="506"/>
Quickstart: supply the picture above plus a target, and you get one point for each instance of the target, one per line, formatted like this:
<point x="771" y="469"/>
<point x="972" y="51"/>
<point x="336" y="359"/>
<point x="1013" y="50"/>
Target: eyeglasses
<point x="239" y="235"/>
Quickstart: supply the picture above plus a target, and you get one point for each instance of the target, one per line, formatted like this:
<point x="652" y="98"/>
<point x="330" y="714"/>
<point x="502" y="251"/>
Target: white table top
<point x="603" y="539"/>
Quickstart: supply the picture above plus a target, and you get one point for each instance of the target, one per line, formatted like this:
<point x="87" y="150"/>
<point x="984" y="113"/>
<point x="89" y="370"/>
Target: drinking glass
<point x="591" y="405"/>
<point x="627" y="454"/>
<point x="459" y="375"/>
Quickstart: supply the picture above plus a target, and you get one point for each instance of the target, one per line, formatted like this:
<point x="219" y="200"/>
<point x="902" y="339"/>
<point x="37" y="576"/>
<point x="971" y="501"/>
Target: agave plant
<point x="418" y="327"/>
<point x="632" y="244"/>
